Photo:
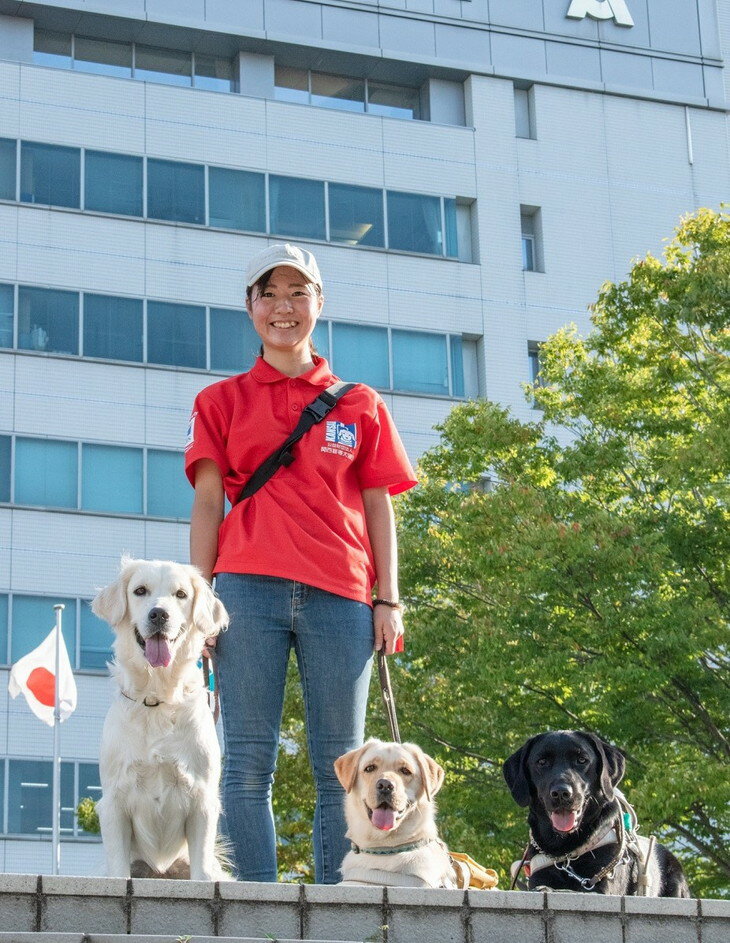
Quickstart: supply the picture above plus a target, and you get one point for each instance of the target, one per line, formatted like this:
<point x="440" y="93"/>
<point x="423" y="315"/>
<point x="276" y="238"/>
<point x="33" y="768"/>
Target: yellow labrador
<point x="390" y="815"/>
<point x="160" y="759"/>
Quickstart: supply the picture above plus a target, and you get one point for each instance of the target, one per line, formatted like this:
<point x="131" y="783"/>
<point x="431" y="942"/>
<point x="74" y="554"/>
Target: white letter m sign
<point x="601" y="10"/>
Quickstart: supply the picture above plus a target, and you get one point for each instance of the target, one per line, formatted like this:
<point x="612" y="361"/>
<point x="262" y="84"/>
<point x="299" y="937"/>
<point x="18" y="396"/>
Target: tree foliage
<point x="572" y="571"/>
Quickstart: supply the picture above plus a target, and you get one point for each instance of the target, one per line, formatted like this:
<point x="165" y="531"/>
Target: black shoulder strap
<point x="283" y="456"/>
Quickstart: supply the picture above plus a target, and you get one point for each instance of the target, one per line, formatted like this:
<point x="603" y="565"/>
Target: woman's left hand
<point x="388" y="624"/>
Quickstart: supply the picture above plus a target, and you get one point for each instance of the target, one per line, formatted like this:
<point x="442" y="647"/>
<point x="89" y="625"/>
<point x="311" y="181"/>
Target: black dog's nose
<point x="561" y="792"/>
<point x="158" y="616"/>
<point x="384" y="785"/>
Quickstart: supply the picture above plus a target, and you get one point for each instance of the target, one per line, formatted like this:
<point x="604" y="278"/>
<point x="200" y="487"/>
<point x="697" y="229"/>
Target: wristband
<point x="390" y="603"/>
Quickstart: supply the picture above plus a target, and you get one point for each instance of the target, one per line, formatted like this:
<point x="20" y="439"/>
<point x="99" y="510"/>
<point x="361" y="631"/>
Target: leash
<point x="387" y="692"/>
<point x="207" y="671"/>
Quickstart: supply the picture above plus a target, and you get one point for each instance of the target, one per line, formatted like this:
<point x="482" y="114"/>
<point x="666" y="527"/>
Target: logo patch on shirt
<point x="341" y="434"/>
<point x="190" y="437"/>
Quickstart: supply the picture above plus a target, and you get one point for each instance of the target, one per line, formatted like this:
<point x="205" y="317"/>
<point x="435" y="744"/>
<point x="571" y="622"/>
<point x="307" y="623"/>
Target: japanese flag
<point x="35" y="676"/>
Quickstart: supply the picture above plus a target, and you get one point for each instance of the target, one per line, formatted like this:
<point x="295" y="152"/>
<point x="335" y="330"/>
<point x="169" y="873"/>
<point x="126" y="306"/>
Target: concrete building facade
<point x="468" y="173"/>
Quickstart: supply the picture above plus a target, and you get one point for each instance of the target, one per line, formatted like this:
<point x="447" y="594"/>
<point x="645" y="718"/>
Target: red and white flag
<point x="35" y="676"/>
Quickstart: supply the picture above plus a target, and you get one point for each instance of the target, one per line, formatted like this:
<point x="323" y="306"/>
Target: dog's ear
<point x="516" y="773"/>
<point x="346" y="767"/>
<point x="611" y="763"/>
<point x="431" y="773"/>
<point x="110" y="603"/>
<point x="209" y="613"/>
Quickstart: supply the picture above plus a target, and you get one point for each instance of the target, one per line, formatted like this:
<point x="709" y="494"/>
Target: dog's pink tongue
<point x="563" y="821"/>
<point x="157" y="651"/>
<point x="384" y="819"/>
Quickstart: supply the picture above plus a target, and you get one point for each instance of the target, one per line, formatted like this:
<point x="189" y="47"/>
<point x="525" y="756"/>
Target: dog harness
<point x="624" y="835"/>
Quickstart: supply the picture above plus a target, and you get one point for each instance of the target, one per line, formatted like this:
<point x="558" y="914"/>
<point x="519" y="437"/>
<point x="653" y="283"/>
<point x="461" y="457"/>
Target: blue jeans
<point x="333" y="641"/>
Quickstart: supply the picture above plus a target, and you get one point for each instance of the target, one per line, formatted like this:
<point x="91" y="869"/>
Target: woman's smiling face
<point x="285" y="311"/>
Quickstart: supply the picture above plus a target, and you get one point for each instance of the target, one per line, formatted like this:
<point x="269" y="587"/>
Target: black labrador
<point x="581" y="833"/>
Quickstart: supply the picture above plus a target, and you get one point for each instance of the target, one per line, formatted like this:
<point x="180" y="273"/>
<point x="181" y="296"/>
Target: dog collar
<point x="395" y="850"/>
<point x="150" y="703"/>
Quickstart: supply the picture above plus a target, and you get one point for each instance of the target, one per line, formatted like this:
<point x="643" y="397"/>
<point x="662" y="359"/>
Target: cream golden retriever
<point x="390" y="812"/>
<point x="160" y="759"/>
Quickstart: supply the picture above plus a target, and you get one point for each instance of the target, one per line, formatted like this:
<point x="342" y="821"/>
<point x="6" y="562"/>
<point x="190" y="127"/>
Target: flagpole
<point x="59" y="607"/>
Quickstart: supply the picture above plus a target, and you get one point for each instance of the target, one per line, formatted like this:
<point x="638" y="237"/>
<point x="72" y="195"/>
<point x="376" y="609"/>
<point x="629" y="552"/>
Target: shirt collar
<point x="319" y="375"/>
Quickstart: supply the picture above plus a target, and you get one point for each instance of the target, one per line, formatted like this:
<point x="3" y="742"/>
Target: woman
<point x="296" y="563"/>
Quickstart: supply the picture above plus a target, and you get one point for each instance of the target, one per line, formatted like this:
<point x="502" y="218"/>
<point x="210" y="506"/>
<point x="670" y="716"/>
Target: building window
<point x="7" y="169"/>
<point x="361" y="353"/>
<point x="393" y="101"/>
<point x="234" y="345"/>
<point x="337" y="91"/>
<point x="48" y="320"/>
<point x="176" y="334"/>
<point x="213" y="73"/>
<point x="6" y="315"/>
<point x="50" y="175"/>
<point x="130" y="60"/>
<point x="531" y="226"/>
<point x="168" y="492"/>
<point x="525" y="112"/>
<point x="175" y="191"/>
<point x="52" y="48"/>
<point x="291" y="85"/>
<point x="113" y="183"/>
<point x="111" y="479"/>
<point x="3" y="629"/>
<point x="535" y="360"/>
<point x="346" y="93"/>
<point x="95" y="639"/>
<point x="457" y="354"/>
<point x="5" y="447"/>
<point x="33" y="618"/>
<point x="102" y="57"/>
<point x="167" y="66"/>
<point x="297" y="207"/>
<point x="420" y="362"/>
<point x="321" y="338"/>
<point x="88" y="786"/>
<point x="113" y="328"/>
<point x="46" y="473"/>
<point x="30" y="796"/>
<point x="356" y="215"/>
<point x="415" y="223"/>
<point x="237" y="199"/>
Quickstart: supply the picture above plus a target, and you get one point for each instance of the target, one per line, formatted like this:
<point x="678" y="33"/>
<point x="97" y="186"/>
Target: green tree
<point x="573" y="571"/>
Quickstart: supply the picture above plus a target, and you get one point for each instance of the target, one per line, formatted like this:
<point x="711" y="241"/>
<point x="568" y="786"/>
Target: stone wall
<point x="98" y="907"/>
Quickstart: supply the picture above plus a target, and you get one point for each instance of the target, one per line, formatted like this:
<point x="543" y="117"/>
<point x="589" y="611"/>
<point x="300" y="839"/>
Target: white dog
<point x="160" y="759"/>
<point x="390" y="817"/>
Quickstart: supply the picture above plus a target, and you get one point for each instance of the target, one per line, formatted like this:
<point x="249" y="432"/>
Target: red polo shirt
<point x="307" y="523"/>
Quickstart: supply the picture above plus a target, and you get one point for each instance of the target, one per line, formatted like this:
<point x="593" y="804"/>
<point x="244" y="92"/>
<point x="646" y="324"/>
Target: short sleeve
<point x="382" y="461"/>
<point x="206" y="438"/>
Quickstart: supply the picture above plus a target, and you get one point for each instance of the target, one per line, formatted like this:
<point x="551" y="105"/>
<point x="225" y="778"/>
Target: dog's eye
<point x="181" y="594"/>
<point x="140" y="591"/>
<point x="405" y="771"/>
<point x="582" y="759"/>
<point x="541" y="762"/>
<point x="370" y="768"/>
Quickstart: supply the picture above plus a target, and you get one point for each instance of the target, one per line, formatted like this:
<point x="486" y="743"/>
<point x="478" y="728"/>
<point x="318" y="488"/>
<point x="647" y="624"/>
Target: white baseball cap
<point x="283" y="254"/>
